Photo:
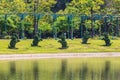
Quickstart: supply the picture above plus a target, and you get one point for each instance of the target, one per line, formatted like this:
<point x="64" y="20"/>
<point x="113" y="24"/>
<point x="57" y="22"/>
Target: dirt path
<point x="57" y="55"/>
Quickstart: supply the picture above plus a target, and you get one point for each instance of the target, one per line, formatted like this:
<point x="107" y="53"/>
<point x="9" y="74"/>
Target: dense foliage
<point x="48" y="24"/>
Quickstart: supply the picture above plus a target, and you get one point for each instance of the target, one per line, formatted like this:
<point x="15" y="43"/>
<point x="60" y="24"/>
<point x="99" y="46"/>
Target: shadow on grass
<point x="36" y="46"/>
<point x="13" y="48"/>
<point x="105" y="45"/>
<point x="64" y="48"/>
<point x="86" y="43"/>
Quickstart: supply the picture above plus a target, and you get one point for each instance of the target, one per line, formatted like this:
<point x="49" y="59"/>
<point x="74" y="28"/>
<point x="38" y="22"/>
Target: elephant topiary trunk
<point x="85" y="38"/>
<point x="63" y="42"/>
<point x="107" y="40"/>
<point x="14" y="40"/>
<point x="36" y="40"/>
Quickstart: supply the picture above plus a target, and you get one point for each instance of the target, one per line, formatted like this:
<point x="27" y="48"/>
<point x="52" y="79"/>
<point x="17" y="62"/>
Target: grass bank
<point x="52" y="46"/>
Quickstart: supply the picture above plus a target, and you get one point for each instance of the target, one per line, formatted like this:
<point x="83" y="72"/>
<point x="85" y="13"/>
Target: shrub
<point x="14" y="40"/>
<point x="85" y="38"/>
<point x="7" y="37"/>
<point x="63" y="42"/>
<point x="107" y="40"/>
<point x="36" y="40"/>
<point x="4" y="33"/>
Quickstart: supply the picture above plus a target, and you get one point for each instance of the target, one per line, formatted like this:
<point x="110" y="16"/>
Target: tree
<point x="116" y="6"/>
<point x="12" y="6"/>
<point x="83" y="6"/>
<point x="42" y="6"/>
<point x="60" y="5"/>
<point x="45" y="27"/>
<point x="61" y="24"/>
<point x="4" y="6"/>
<point x="18" y="6"/>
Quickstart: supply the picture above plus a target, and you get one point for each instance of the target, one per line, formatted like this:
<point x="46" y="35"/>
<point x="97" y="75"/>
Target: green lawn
<point x="52" y="46"/>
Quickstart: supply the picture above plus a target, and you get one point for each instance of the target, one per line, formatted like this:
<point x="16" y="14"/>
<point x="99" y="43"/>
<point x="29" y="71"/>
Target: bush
<point x="63" y="42"/>
<point x="114" y="37"/>
<point x="14" y="40"/>
<point x="4" y="33"/>
<point x="7" y="37"/>
<point x="36" y="40"/>
<point x="107" y="40"/>
<point x="85" y="38"/>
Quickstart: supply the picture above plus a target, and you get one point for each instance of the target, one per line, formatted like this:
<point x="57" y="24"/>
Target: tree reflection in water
<point x="64" y="72"/>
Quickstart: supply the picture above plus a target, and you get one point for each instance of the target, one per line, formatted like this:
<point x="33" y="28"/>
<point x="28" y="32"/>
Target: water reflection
<point x="83" y="72"/>
<point x="63" y="70"/>
<point x="36" y="71"/>
<point x="106" y="71"/>
<point x="60" y="72"/>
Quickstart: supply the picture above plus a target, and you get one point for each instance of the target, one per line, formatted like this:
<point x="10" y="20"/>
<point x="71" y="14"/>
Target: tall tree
<point x="84" y="6"/>
<point x="116" y="6"/>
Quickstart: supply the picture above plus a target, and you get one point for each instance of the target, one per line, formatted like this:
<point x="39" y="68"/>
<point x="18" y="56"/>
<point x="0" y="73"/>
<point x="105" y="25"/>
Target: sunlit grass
<point x="52" y="46"/>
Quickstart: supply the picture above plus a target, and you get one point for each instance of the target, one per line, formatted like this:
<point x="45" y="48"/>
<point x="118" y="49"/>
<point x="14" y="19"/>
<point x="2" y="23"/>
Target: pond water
<point x="60" y="69"/>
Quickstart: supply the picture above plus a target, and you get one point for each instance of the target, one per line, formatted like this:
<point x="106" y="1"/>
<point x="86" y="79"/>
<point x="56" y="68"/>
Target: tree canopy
<point x="46" y="22"/>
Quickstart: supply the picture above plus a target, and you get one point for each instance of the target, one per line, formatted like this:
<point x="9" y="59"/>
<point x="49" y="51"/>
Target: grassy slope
<point x="52" y="46"/>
